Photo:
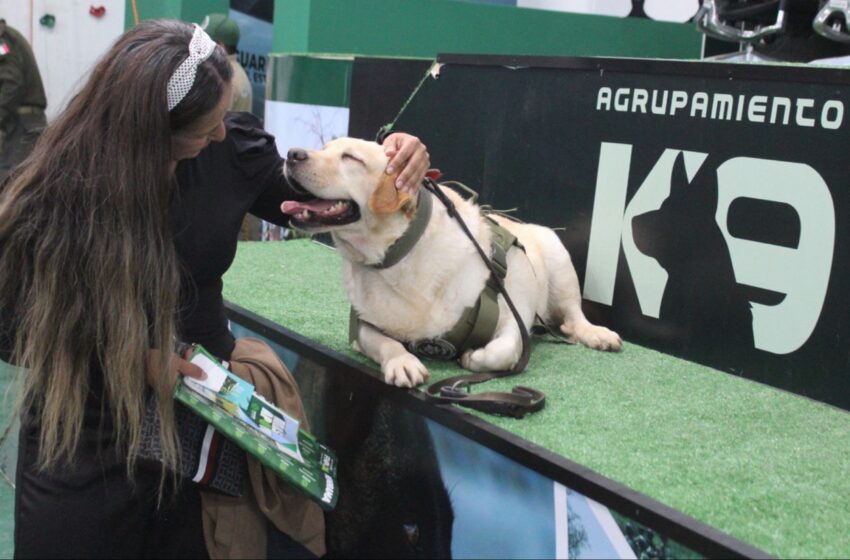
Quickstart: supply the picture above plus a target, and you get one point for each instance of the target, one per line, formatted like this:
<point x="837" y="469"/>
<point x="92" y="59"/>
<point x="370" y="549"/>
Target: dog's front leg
<point x="400" y="367"/>
<point x="500" y="354"/>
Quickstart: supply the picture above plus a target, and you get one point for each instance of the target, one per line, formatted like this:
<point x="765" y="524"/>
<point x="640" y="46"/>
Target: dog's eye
<point x="353" y="158"/>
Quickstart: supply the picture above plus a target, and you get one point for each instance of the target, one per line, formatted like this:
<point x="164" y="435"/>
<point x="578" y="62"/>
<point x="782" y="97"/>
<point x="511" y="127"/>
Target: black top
<point x="241" y="174"/>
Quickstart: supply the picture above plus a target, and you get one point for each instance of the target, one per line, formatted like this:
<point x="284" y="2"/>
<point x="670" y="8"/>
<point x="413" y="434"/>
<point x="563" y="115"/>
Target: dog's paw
<point x="473" y="360"/>
<point x="596" y="337"/>
<point x="481" y="360"/>
<point x="404" y="371"/>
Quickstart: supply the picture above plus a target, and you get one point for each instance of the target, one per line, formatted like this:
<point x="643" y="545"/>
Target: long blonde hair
<point x="88" y="270"/>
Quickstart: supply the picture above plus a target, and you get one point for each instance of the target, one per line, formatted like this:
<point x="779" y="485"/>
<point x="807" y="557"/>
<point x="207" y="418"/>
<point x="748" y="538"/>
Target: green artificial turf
<point x="763" y="465"/>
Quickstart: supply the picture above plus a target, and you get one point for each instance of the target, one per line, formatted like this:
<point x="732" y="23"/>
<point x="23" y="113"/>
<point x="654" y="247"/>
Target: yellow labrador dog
<point x="425" y="293"/>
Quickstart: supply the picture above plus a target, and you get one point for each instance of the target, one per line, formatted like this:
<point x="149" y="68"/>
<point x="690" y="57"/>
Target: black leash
<point x="456" y="390"/>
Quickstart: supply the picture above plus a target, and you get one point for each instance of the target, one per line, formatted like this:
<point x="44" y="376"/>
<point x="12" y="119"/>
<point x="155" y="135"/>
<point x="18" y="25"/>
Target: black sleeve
<point x="261" y="165"/>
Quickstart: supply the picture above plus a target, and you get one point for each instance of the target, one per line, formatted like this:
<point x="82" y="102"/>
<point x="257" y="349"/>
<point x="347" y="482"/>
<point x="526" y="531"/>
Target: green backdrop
<point x="424" y="28"/>
<point x="187" y="10"/>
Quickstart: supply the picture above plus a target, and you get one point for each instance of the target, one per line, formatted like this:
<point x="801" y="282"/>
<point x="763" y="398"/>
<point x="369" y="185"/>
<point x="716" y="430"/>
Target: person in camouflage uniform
<point x="22" y="99"/>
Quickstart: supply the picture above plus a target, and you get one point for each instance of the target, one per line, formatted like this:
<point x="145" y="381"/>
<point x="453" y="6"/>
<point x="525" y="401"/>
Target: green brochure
<point x="230" y="404"/>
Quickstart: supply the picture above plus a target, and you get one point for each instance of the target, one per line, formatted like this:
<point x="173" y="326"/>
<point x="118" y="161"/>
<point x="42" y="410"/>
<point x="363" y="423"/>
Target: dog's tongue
<point x="316" y="206"/>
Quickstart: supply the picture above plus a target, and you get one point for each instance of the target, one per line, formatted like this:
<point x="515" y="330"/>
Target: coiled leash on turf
<point x="456" y="390"/>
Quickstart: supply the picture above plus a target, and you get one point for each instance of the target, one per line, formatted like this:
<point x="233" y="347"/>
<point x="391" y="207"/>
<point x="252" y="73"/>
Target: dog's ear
<point x="387" y="199"/>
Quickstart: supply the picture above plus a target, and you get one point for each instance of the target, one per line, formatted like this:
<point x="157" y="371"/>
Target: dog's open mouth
<point x="320" y="212"/>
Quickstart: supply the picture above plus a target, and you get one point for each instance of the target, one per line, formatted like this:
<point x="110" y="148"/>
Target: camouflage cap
<point x="222" y="29"/>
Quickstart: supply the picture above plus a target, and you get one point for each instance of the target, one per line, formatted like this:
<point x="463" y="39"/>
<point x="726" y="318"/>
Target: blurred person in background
<point x="225" y="32"/>
<point x="22" y="99"/>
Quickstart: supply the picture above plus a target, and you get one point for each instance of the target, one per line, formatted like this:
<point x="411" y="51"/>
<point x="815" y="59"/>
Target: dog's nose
<point x="295" y="155"/>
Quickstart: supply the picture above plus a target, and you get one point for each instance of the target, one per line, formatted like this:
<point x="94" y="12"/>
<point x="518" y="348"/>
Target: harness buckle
<point x="433" y="349"/>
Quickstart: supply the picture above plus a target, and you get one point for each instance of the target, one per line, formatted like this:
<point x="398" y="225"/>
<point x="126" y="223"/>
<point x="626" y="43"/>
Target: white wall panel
<point x="67" y="52"/>
<point x="600" y="7"/>
<point x="661" y="10"/>
<point x="17" y="14"/>
<point x="671" y="10"/>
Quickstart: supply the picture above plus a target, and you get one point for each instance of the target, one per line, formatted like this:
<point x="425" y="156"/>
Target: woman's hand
<point x="177" y="365"/>
<point x="186" y="368"/>
<point x="409" y="157"/>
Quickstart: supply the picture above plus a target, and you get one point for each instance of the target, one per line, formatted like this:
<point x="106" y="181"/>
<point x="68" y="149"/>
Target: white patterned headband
<point x="181" y="81"/>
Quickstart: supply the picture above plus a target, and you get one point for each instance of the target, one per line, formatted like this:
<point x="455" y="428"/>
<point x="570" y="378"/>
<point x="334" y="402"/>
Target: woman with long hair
<point x="89" y="284"/>
<point x="114" y="235"/>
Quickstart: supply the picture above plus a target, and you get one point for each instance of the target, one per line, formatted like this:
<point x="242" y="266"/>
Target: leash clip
<point x="457" y="390"/>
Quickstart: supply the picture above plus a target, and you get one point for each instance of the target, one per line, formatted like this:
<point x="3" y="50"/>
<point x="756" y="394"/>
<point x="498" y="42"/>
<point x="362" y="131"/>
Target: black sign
<point x="705" y="206"/>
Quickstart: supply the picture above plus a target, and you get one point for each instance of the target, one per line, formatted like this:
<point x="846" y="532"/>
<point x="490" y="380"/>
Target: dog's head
<point x="348" y="179"/>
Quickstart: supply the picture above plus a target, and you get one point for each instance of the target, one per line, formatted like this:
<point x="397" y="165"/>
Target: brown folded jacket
<point x="236" y="527"/>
